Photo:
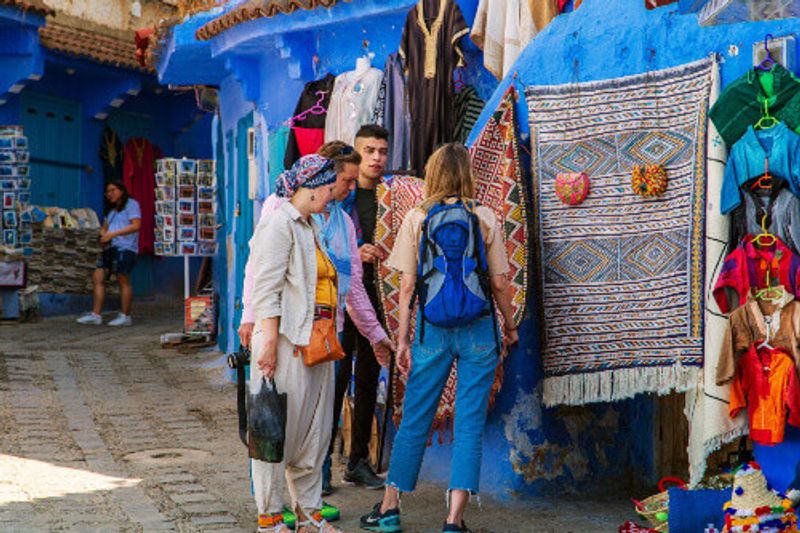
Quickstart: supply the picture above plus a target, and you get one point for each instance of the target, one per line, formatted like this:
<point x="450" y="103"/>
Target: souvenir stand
<point x="186" y="226"/>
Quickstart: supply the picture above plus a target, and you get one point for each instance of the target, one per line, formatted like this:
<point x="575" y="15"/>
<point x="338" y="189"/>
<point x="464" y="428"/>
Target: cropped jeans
<point x="475" y="352"/>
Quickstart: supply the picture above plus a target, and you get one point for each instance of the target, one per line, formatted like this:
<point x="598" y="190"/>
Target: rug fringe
<point x="620" y="384"/>
<point x="698" y="470"/>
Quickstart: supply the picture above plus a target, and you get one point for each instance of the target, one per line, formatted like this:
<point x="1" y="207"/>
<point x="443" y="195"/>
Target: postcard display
<point x="15" y="184"/>
<point x="186" y="207"/>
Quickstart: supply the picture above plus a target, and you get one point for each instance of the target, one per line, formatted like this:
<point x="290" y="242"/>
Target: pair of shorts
<point x="117" y="261"/>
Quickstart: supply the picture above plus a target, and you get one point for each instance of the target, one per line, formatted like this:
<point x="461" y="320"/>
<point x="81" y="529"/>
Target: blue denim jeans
<point x="473" y="347"/>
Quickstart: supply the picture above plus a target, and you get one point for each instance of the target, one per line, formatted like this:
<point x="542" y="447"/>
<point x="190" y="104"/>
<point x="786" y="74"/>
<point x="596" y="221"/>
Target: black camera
<point x="239" y="359"/>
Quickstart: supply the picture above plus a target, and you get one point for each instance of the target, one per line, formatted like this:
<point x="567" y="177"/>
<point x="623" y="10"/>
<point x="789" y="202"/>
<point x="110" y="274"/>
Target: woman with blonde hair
<point x="451" y="255"/>
<point x="295" y="285"/>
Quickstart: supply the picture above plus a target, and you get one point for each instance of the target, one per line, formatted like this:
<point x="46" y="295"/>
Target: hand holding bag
<point x="266" y="423"/>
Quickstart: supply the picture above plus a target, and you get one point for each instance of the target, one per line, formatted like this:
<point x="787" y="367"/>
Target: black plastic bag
<point x="266" y="423"/>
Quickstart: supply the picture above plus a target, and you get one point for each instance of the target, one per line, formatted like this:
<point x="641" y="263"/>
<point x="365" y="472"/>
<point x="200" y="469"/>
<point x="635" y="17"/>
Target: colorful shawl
<point x="621" y="276"/>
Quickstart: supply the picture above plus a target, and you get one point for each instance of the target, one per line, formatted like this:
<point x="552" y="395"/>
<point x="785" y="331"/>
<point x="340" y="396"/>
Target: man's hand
<point x="510" y="336"/>
<point x="370" y="253"/>
<point x="246" y="333"/>
<point x="383" y="351"/>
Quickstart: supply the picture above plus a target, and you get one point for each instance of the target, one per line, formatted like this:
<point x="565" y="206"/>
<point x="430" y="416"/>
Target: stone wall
<point x="114" y="13"/>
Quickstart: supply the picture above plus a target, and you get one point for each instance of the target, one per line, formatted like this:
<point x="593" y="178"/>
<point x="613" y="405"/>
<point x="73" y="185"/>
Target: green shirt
<point x="741" y="104"/>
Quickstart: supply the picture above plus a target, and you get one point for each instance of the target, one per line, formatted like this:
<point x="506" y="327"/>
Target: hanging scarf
<point x="310" y="171"/>
<point x="336" y="242"/>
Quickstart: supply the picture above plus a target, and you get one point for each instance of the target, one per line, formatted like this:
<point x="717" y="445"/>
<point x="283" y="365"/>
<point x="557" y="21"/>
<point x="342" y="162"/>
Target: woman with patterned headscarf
<point x="294" y="285"/>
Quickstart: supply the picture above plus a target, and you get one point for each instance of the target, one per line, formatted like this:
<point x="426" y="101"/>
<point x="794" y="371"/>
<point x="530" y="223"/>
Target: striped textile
<point x="621" y="276"/>
<point x="467" y="107"/>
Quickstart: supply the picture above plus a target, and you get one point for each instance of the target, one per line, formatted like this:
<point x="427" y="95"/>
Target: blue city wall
<point x="529" y="449"/>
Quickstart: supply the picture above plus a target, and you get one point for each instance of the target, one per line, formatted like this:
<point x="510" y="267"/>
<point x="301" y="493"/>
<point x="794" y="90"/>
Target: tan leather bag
<point x="324" y="343"/>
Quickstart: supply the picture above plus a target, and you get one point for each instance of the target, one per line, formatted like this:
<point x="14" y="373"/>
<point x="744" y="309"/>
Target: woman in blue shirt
<point x="119" y="238"/>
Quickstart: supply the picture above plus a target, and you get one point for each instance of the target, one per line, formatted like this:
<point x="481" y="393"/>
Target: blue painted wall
<point x="529" y="449"/>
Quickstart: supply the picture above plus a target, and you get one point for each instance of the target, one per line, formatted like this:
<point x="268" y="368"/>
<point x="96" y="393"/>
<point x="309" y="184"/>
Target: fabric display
<point x="775" y="150"/>
<point x="430" y="49"/>
<point x="391" y="112"/>
<point x="623" y="295"/>
<point x="774" y="209"/>
<point x="277" y="143"/>
<point x="766" y="384"/>
<point x="467" y="107"/>
<point x="753" y="266"/>
<point x="15" y="185"/>
<point x="352" y="103"/>
<point x="138" y="174"/>
<point x="502" y="29"/>
<point x="753" y="507"/>
<point x="741" y="104"/>
<point x="308" y="125"/>
<point x="111" y="155"/>
<point x="186" y="207"/>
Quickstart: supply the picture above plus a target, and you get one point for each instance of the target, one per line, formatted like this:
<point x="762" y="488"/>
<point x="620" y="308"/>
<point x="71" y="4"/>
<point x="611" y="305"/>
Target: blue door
<point x="53" y="128"/>
<point x="223" y="150"/>
<point x="243" y="212"/>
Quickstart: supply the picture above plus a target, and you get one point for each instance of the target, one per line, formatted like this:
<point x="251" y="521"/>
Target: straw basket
<point x="655" y="509"/>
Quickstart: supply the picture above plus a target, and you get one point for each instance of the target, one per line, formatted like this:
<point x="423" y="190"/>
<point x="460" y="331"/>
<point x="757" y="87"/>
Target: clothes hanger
<point x="768" y="62"/>
<point x="771" y="239"/>
<point x="766" y="121"/>
<point x="316" y="109"/>
<point x="765" y="180"/>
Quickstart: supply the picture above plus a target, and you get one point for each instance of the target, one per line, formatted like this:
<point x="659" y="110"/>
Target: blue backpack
<point x="452" y="274"/>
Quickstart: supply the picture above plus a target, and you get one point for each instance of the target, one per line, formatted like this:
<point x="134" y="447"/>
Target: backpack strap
<point x="483" y="274"/>
<point x="419" y="284"/>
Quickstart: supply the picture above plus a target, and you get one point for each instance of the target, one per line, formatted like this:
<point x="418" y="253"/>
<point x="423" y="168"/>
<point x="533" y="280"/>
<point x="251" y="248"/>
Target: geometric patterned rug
<point x="501" y="187"/>
<point x="621" y="277"/>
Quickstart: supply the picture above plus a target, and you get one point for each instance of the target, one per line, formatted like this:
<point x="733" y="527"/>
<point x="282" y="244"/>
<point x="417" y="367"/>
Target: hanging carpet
<point x="621" y="276"/>
<point x="500" y="186"/>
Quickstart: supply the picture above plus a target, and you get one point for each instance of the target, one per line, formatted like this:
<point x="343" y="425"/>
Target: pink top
<point x="358" y="304"/>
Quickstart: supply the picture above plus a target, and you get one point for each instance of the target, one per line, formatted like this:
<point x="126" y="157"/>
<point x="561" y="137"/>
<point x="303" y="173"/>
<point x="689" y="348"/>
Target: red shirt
<point x="766" y="383"/>
<point x="747" y="266"/>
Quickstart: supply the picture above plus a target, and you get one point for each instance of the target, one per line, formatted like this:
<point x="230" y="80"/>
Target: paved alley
<point x="102" y="430"/>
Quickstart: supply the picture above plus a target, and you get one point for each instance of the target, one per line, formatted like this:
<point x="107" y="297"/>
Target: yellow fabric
<point x="543" y="12"/>
<point x="326" y="280"/>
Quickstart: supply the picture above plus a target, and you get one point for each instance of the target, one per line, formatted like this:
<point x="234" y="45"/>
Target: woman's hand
<point x="383" y="351"/>
<point x="268" y="359"/>
<point x="105" y="237"/>
<point x="404" y="357"/>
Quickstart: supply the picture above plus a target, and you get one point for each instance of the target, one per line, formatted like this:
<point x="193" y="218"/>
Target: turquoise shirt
<point x="746" y="161"/>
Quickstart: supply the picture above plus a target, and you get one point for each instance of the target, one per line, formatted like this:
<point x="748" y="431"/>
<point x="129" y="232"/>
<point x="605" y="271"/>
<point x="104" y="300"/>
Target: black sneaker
<point x="388" y="522"/>
<point x="454" y="528"/>
<point x="363" y="475"/>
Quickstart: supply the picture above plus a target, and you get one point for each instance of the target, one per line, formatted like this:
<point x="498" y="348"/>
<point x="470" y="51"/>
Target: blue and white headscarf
<point x="310" y="171"/>
<point x="336" y="241"/>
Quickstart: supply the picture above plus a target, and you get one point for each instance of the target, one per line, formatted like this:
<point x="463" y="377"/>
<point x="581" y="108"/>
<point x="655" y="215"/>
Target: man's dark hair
<point x="373" y="131"/>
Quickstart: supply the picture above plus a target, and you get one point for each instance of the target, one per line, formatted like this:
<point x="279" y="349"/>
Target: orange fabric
<point x="766" y="383"/>
<point x="270" y="520"/>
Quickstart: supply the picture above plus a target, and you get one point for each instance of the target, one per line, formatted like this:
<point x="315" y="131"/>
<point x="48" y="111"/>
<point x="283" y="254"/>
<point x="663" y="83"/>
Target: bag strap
<point x="241" y="393"/>
<point x="483" y="275"/>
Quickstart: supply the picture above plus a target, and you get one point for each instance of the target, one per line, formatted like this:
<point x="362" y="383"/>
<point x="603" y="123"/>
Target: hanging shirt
<point x="278" y="141"/>
<point x="747" y="160"/>
<point x="352" y="104"/>
<point x="302" y="130"/>
<point x="430" y="50"/>
<point x="766" y="384"/>
<point x="139" y="167"/>
<point x="741" y="104"/>
<point x="777" y="322"/>
<point x="782" y="210"/>
<point x="543" y="11"/>
<point x="502" y="30"/>
<point x="467" y="106"/>
<point x="748" y="266"/>
<point x="391" y="112"/>
<point x="111" y="155"/>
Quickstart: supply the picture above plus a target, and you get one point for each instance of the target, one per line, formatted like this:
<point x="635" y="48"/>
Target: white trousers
<point x="309" y="417"/>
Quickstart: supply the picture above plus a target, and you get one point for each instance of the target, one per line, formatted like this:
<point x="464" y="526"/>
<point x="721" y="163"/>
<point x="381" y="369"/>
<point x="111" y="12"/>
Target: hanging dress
<point x="139" y="178"/>
<point x="430" y="49"/>
<point x="307" y="135"/>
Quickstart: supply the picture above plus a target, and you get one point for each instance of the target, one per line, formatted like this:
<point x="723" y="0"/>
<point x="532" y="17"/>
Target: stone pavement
<point x="102" y="430"/>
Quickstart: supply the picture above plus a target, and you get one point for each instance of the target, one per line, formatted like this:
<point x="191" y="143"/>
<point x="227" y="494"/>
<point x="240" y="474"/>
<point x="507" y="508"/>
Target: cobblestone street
<point x="102" y="430"/>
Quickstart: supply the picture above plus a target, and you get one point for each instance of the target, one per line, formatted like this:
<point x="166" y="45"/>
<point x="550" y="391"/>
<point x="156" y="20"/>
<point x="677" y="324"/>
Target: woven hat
<point x="755" y="507"/>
